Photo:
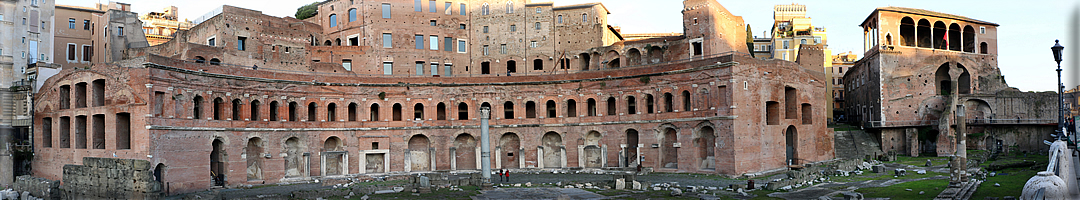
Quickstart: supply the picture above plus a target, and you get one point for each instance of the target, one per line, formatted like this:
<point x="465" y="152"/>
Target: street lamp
<point x="1061" y="109"/>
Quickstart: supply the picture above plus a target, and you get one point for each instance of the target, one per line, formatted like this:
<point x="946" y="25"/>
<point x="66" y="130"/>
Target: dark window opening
<point x="551" y="109"/>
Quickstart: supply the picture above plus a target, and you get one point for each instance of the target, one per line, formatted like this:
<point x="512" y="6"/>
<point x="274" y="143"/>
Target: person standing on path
<point x="506" y="173"/>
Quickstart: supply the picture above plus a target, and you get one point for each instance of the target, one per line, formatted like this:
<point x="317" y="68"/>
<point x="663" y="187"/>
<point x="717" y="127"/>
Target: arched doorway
<point x="253" y="152"/>
<point x="159" y="173"/>
<point x="509" y="147"/>
<point x="552" y="150"/>
<point x="943" y="80"/>
<point x="633" y="57"/>
<point x="791" y="144"/>
<point x="670" y="158"/>
<point x="294" y="159"/>
<point x="465" y="152"/>
<point x="594" y="155"/>
<point x="333" y="157"/>
<point x="630" y="158"/>
<point x="419" y="158"/>
<point x="217" y="162"/>
<point x="583" y="61"/>
<point x="706" y="144"/>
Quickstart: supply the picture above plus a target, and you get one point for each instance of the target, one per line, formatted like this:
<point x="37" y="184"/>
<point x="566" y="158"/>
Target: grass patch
<point x="898" y="191"/>
<point x="1012" y="184"/>
<point x="920" y="161"/>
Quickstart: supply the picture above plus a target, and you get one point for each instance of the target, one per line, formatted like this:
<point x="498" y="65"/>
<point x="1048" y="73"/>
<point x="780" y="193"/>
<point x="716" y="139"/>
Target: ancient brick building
<point x="245" y="98"/>
<point x="919" y="65"/>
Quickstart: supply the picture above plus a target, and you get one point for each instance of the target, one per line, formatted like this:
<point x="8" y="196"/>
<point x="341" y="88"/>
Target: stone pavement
<point x="537" y="193"/>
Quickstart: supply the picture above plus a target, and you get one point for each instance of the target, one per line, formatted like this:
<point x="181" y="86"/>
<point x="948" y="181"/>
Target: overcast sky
<point x="1028" y="27"/>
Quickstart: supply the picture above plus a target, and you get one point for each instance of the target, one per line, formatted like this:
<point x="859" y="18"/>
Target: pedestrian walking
<point x="507" y="175"/>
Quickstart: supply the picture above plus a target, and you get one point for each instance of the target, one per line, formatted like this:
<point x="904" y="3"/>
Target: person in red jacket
<point x="507" y="174"/>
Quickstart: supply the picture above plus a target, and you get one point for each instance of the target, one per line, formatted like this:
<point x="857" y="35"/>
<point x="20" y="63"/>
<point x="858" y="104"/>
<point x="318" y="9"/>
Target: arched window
<point x="584" y="18"/>
<point x="668" y="101"/>
<point x="218" y="104"/>
<point x="631" y="105"/>
<point x="590" y="105"/>
<point x="333" y="20"/>
<point x="463" y="111"/>
<point x="611" y="109"/>
<point x="509" y="7"/>
<point x="686" y="100"/>
<point x="511" y="66"/>
<point x="235" y="109"/>
<point x="353" y="111"/>
<point x="312" y="109"/>
<point x="331" y="112"/>
<point x="571" y="108"/>
<point x="649" y="103"/>
<point x="254" y="110"/>
<point x="292" y="111"/>
<point x="982" y="48"/>
<point x="954" y="37"/>
<point x="907" y="32"/>
<point x="200" y="59"/>
<point x="418" y="111"/>
<point x="940" y="35"/>
<point x="551" y="109"/>
<point x="274" y="110"/>
<point x="440" y="111"/>
<point x="484" y="9"/>
<point x="215" y="61"/>
<point x="559" y="18"/>
<point x="530" y="109"/>
<point x="197" y="107"/>
<point x="374" y="111"/>
<point x="924" y="34"/>
<point x="352" y="15"/>
<point x="508" y="110"/>
<point x="969" y="39"/>
<point x="396" y="112"/>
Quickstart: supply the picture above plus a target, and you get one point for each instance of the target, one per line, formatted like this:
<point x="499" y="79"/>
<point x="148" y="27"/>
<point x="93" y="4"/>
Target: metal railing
<point x="900" y="123"/>
<point x="723" y="57"/>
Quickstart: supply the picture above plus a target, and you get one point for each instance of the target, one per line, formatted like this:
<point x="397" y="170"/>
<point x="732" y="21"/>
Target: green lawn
<point x="1012" y="184"/>
<point x="921" y="161"/>
<point x="897" y="192"/>
<point x="435" y="194"/>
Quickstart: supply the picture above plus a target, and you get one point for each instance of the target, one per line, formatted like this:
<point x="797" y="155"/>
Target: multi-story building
<point x="792" y="29"/>
<point x="160" y="27"/>
<point x="79" y="38"/>
<point x="840" y="64"/>
<point x="246" y="98"/>
<point x="25" y="61"/>
<point x="912" y="78"/>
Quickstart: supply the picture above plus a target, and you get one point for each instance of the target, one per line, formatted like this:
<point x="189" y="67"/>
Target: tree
<point x="307" y="11"/>
<point x="750" y="40"/>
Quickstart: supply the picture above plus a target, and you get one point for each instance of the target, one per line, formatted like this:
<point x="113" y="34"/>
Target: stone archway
<point x="295" y="161"/>
<point x="670" y="154"/>
<point x="593" y="152"/>
<point x="464" y="152"/>
<point x="509" y="151"/>
<point x="630" y="153"/>
<point x="217" y="162"/>
<point x="706" y="145"/>
<point x="791" y="145"/>
<point x="334" y="157"/>
<point x="419" y="156"/>
<point x="552" y="148"/>
<point x="253" y="152"/>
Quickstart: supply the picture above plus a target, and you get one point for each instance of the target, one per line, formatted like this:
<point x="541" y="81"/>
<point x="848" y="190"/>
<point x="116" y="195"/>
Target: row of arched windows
<point x="939" y="36"/>
<point x="551" y="109"/>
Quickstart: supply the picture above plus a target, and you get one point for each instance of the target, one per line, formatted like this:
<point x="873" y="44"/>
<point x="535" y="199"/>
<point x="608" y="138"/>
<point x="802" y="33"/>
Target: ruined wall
<point x="110" y="178"/>
<point x="38" y="187"/>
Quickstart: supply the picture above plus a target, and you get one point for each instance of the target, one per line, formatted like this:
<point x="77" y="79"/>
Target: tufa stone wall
<point x="38" y="187"/>
<point x="110" y="177"/>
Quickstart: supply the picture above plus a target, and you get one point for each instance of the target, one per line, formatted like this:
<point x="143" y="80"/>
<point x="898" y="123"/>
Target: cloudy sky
<point x="1028" y="27"/>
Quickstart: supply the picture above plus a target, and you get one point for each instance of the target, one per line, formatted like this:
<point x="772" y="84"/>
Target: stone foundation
<point x="110" y="178"/>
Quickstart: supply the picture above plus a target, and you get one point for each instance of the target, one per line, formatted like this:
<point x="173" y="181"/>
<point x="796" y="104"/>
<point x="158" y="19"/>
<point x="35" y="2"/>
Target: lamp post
<point x="1061" y="109"/>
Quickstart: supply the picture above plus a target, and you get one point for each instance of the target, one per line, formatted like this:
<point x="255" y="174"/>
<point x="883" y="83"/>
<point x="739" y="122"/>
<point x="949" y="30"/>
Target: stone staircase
<point x="855" y="144"/>
<point x="960" y="193"/>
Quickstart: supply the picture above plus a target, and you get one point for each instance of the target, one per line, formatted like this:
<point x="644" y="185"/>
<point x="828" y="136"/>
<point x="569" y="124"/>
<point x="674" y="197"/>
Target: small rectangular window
<point x="513" y="28"/>
<point x="120" y="31"/>
<point x="532" y="44"/>
<point x="461" y="26"/>
<point x="240" y="43"/>
<point x="431" y="5"/>
<point x="386" y="11"/>
<point x="502" y="48"/>
<point x="485" y="29"/>
<point x="434" y="40"/>
<point x="447" y="69"/>
<point x="448" y="44"/>
<point x="388" y="68"/>
<point x="71" y="52"/>
<point x="387" y="40"/>
<point x="537" y="25"/>
<point x="485" y="50"/>
<point x="537" y="10"/>
<point x="432" y="22"/>
<point x="418" y="6"/>
<point x="86" y="53"/>
<point x="347" y="64"/>
<point x="419" y="68"/>
<point x="419" y="41"/>
<point x="462" y="9"/>
<point x="71" y="23"/>
<point x="211" y="42"/>
<point x="560" y="19"/>
<point x="434" y="69"/>
<point x="461" y="46"/>
<point x="447" y="8"/>
<point x="982" y="30"/>
<point x="85" y="24"/>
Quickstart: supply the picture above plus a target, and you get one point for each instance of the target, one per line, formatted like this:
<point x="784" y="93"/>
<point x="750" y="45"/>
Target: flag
<point x="946" y="38"/>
